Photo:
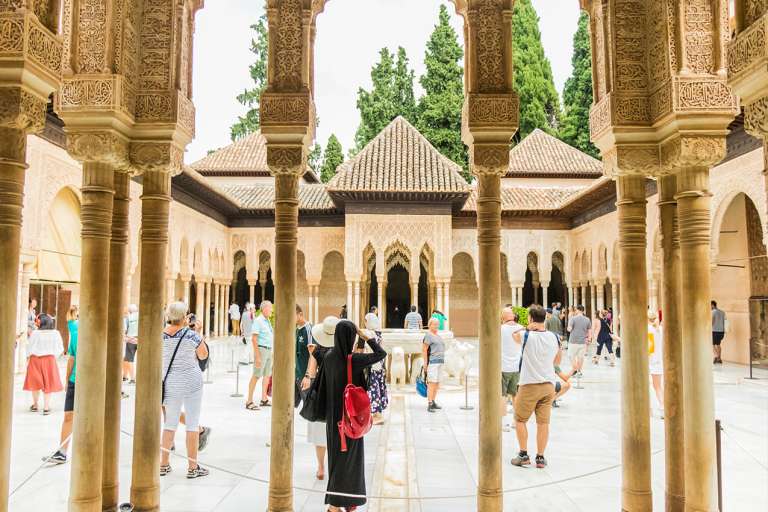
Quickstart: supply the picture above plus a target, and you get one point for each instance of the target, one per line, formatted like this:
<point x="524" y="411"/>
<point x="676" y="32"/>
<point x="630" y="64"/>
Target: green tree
<point x="539" y="102"/>
<point x="332" y="158"/>
<point x="439" y="112"/>
<point x="251" y="121"/>
<point x="577" y="94"/>
<point x="314" y="158"/>
<point x="391" y="96"/>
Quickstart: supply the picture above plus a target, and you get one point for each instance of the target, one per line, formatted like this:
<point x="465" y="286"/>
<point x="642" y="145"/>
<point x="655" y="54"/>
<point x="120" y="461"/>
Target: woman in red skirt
<point x="44" y="346"/>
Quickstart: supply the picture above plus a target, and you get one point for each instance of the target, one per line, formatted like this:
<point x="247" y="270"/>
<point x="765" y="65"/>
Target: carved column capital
<point x="632" y="159"/>
<point x="489" y="159"/>
<point x="156" y="156"/>
<point x="106" y="146"/>
<point x="21" y="109"/>
<point x="686" y="151"/>
<point x="756" y="117"/>
<point x="286" y="159"/>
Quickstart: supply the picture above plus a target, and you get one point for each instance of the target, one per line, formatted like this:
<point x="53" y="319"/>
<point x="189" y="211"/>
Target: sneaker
<point x="123" y="396"/>
<point x="205" y="435"/>
<point x="555" y="404"/>
<point x="521" y="460"/>
<point x="434" y="404"/>
<point x="541" y="462"/>
<point x="506" y="428"/>
<point x="165" y="469"/>
<point x="56" y="458"/>
<point x="431" y="407"/>
<point x="197" y="472"/>
<point x="132" y="382"/>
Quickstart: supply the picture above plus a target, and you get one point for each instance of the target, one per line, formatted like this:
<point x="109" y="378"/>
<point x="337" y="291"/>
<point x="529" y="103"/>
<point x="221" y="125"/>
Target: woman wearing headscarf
<point x="346" y="469"/>
<point x="44" y="346"/>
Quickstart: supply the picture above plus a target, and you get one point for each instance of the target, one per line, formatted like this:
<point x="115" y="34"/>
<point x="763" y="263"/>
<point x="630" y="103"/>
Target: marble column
<point x="693" y="210"/>
<point x="282" y="424"/>
<point x="439" y="305"/>
<point x="570" y="296"/>
<point x="263" y="287"/>
<point x="615" y="307"/>
<point x="308" y="315"/>
<point x="252" y="291"/>
<point x="225" y="316"/>
<point x="350" y="294"/>
<point x="207" y="307"/>
<point x="12" y="165"/>
<point x="583" y="295"/>
<point x="316" y="313"/>
<point x="652" y="294"/>
<point x="593" y="299"/>
<point x="447" y="304"/>
<point x="145" y="473"/>
<point x="383" y="306"/>
<point x="88" y="429"/>
<point x="545" y="294"/>
<point x="674" y="452"/>
<point x="199" y="299"/>
<point x="414" y="294"/>
<point x="216" y="308"/>
<point x="601" y="295"/>
<point x="118" y="260"/>
<point x="536" y="285"/>
<point x="380" y="305"/>
<point x="489" y="247"/>
<point x="355" y="316"/>
<point x="185" y="281"/>
<point x="635" y="417"/>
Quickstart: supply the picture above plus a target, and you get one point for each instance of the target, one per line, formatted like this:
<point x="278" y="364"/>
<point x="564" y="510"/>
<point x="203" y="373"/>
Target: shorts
<point x="577" y="350"/>
<point x="717" y="338"/>
<point x="558" y="387"/>
<point x="509" y="382"/>
<point x="266" y="363"/>
<point x="191" y="402"/>
<point x="130" y="352"/>
<point x="434" y="372"/>
<point x="534" y="398"/>
<point x="69" y="401"/>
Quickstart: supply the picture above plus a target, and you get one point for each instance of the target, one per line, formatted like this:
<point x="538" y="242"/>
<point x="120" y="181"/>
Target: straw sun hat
<point x="323" y="333"/>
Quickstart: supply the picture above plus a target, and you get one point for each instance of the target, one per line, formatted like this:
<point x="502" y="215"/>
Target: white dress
<point x="655" y="350"/>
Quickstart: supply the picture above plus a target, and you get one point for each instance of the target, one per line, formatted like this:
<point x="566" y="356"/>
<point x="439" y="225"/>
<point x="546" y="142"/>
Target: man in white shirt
<point x="539" y="355"/>
<point x="413" y="319"/>
<point x="372" y="321"/>
<point x="234" y="316"/>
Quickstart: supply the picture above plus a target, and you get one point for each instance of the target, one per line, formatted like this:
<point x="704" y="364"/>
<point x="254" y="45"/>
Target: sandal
<point x="33" y="408"/>
<point x="265" y="403"/>
<point x="252" y="406"/>
<point x="165" y="469"/>
<point x="46" y="412"/>
<point x="320" y="475"/>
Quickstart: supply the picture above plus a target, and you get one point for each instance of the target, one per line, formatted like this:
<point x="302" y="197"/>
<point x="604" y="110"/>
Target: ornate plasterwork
<point x="91" y="33"/>
<point x="286" y="46"/>
<point x="756" y="117"/>
<point x="698" y="17"/>
<point x="703" y="94"/>
<point x="640" y="159"/>
<point x="286" y="159"/>
<point x="747" y="49"/>
<point x="685" y="151"/>
<point x="24" y="38"/>
<point x="489" y="159"/>
<point x="487" y="24"/>
<point x="280" y="108"/>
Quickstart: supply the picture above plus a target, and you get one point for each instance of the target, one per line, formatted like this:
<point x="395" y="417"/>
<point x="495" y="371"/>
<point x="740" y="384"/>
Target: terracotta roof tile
<point x="540" y="154"/>
<point x="312" y="197"/>
<point x="399" y="159"/>
<point x="247" y="156"/>
<point x="529" y="198"/>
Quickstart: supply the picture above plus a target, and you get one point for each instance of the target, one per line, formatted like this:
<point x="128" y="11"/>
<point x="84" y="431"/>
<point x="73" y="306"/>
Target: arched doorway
<point x="398" y="295"/>
<point x="556" y="291"/>
<point x="241" y="292"/>
<point x="532" y="291"/>
<point x="740" y="282"/>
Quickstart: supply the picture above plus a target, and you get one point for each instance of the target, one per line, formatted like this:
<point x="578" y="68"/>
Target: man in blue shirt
<point x="261" y="341"/>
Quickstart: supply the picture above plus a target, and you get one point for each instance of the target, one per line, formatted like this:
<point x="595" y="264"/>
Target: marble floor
<point x="415" y="453"/>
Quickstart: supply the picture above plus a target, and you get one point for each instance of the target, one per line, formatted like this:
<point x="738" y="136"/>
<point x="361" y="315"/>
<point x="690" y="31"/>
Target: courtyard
<point x="415" y="454"/>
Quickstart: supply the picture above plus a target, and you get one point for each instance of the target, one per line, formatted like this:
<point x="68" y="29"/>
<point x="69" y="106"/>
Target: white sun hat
<point x="323" y="333"/>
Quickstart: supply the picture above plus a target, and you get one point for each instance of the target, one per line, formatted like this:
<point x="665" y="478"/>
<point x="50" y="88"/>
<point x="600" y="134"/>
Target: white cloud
<point x="349" y="36"/>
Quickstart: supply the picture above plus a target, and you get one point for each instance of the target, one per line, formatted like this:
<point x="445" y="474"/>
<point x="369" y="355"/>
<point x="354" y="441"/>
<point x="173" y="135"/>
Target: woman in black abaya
<point x="346" y="469"/>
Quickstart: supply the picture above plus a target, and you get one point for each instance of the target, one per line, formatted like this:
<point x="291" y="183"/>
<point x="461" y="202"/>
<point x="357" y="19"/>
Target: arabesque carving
<point x="489" y="159"/>
<point x="756" y="117"/>
<point x="161" y="156"/>
<point x="287" y="56"/>
<point x="698" y="18"/>
<point x="488" y="23"/>
<point x="286" y="159"/>
<point x="11" y="34"/>
<point x="22" y="110"/>
<point x="640" y="159"/>
<point x="685" y="151"/>
<point x="91" y="34"/>
<point x="747" y="49"/>
<point x="98" y="146"/>
<point x="493" y="110"/>
<point x="281" y="108"/>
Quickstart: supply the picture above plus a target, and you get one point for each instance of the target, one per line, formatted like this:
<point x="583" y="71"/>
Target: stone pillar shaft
<point x="13" y="143"/>
<point x="355" y="316"/>
<point x="350" y="292"/>
<point x="317" y="304"/>
<point x="693" y="210"/>
<point x="635" y="418"/>
<point x="673" y="348"/>
<point x="252" y="291"/>
<point x="281" y="450"/>
<point x="145" y="470"/>
<point x="439" y="296"/>
<point x="489" y="249"/>
<point x="545" y="294"/>
<point x="199" y="299"/>
<point x="383" y="306"/>
<point x="447" y="304"/>
<point x="88" y="428"/>
<point x="216" y="308"/>
<point x="118" y="259"/>
<point x="414" y="294"/>
<point x="206" y="307"/>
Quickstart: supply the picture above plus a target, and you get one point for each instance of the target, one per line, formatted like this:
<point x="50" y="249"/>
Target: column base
<point x="146" y="499"/>
<point x="674" y="503"/>
<point x="490" y="501"/>
<point x="89" y="505"/>
<point x="634" y="501"/>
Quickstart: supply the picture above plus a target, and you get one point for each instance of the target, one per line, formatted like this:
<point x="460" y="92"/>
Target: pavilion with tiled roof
<point x="540" y="155"/>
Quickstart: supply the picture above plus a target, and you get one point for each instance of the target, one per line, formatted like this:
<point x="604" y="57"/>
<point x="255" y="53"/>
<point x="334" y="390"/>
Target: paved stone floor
<point x="416" y="453"/>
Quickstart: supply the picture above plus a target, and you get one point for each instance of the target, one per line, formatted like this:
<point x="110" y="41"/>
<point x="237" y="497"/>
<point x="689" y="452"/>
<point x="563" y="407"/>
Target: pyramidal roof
<point x="542" y="155"/>
<point x="244" y="157"/>
<point x="399" y="159"/>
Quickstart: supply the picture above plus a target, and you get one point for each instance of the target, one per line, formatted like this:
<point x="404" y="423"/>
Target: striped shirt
<point x="185" y="376"/>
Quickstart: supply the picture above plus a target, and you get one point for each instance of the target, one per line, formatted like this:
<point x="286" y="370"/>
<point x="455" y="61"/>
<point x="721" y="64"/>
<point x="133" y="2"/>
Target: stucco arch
<point x="721" y="203"/>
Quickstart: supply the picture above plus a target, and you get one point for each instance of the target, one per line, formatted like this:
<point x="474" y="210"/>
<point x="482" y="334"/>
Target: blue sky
<point x="349" y="36"/>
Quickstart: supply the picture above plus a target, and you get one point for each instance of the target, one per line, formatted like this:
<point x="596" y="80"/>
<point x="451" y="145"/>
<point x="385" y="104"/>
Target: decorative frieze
<point x="493" y="110"/>
<point x="487" y="24"/>
<point x="21" y="109"/>
<point x="98" y="146"/>
<point x="703" y="94"/>
<point x="747" y="49"/>
<point x="287" y="46"/>
<point x="632" y="159"/>
<point x="91" y="33"/>
<point x="23" y="37"/>
<point x="286" y="159"/>
<point x="79" y="93"/>
<point x="756" y="117"/>
<point x="286" y="108"/>
<point x="686" y="151"/>
<point x="489" y="159"/>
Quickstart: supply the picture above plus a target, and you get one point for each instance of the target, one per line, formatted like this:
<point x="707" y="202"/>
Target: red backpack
<point x="356" y="416"/>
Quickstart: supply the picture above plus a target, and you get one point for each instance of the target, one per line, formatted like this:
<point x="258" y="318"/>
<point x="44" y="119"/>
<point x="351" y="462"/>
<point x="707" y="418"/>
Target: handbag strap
<point x="173" y="356"/>
<point x="349" y="369"/>
<point x="522" y="351"/>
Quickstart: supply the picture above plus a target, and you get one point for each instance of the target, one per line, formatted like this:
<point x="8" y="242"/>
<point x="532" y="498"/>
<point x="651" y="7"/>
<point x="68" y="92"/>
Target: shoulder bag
<point x="170" y="364"/>
<point x="356" y="418"/>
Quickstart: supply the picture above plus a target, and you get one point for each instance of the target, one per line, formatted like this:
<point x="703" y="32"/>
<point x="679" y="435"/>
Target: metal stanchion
<point x="237" y="393"/>
<point x="466" y="406"/>
<point x="232" y="366"/>
<point x="718" y="447"/>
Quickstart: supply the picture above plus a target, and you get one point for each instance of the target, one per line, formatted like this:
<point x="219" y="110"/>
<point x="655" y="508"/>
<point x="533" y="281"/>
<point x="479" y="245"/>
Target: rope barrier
<point x="400" y="498"/>
<point x="46" y="461"/>
<point x="758" y="462"/>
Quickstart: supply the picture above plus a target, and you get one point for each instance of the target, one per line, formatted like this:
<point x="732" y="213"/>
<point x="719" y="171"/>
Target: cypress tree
<point x="392" y="95"/>
<point x="251" y="121"/>
<point x="577" y="94"/>
<point x="439" y="113"/>
<point x="539" y="102"/>
<point x="332" y="158"/>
